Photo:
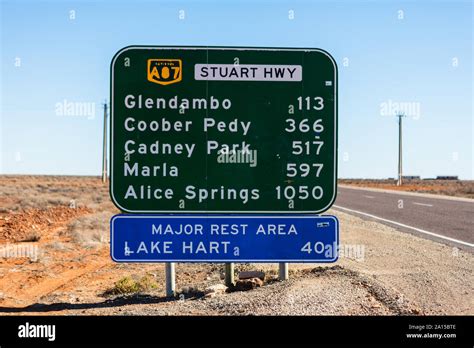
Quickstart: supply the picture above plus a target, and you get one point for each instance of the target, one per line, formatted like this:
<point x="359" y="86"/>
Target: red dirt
<point x="28" y="225"/>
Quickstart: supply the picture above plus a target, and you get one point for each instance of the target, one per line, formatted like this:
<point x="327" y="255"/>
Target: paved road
<point x="447" y="220"/>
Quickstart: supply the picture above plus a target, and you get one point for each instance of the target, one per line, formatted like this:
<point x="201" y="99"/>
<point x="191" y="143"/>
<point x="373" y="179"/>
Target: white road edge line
<point x="407" y="226"/>
<point x="368" y="196"/>
<point x="423" y="204"/>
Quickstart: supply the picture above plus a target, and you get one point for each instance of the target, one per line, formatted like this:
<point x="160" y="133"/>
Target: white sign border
<point x="123" y="216"/>
<point x="333" y="199"/>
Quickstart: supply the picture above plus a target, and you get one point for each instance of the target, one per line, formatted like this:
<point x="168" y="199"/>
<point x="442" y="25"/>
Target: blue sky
<point x="388" y="51"/>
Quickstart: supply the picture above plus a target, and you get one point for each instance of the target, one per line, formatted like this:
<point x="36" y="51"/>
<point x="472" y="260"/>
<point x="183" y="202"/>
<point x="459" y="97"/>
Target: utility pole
<point x="104" y="150"/>
<point x="400" y="168"/>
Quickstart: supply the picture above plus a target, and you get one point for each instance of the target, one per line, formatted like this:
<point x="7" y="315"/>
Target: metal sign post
<point x="170" y="279"/>
<point x="229" y="274"/>
<point x="283" y="271"/>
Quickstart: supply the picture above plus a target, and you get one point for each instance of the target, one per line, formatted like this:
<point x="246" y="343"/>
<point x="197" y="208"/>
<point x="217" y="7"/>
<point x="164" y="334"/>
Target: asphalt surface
<point x="445" y="220"/>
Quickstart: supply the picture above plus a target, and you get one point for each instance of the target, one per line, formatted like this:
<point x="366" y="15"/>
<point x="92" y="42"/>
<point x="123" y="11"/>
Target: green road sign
<point x="223" y="130"/>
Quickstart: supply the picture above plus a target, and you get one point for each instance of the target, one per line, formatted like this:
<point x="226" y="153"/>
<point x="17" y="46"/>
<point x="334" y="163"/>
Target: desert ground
<point x="54" y="259"/>
<point x="455" y="188"/>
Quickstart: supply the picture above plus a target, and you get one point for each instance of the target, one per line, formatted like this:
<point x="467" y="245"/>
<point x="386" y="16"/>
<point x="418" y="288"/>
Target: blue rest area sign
<point x="191" y="238"/>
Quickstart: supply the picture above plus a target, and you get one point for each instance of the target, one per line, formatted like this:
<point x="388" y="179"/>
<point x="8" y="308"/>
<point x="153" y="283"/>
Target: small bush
<point x="31" y="237"/>
<point x="127" y="285"/>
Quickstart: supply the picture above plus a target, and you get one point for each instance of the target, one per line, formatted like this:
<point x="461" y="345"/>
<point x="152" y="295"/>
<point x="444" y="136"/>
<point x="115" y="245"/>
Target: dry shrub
<point x="91" y="230"/>
<point x="58" y="246"/>
<point x="33" y="236"/>
<point x="128" y="285"/>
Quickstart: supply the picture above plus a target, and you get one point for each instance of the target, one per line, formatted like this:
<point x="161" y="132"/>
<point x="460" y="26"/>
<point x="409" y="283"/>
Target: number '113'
<point x="311" y="103"/>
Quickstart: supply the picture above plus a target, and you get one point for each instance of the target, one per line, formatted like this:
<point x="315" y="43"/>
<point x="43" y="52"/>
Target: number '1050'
<point x="303" y="192"/>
